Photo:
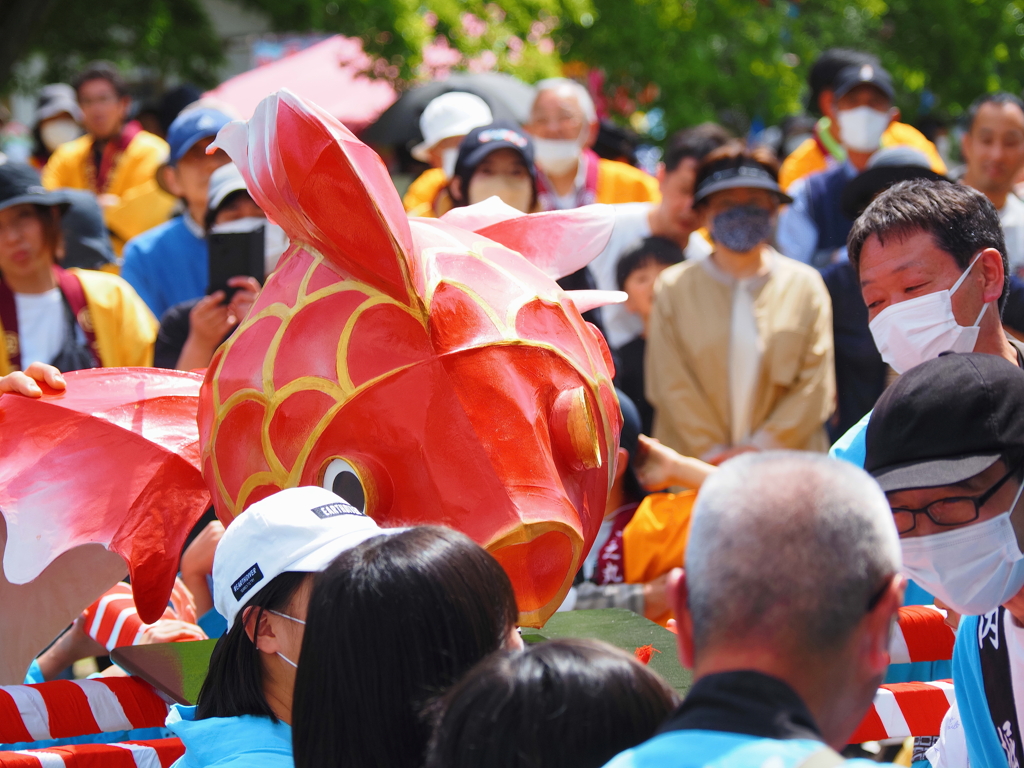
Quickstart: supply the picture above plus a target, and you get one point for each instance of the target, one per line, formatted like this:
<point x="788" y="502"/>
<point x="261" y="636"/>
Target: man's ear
<point x="678" y="598"/>
<point x="966" y="145"/>
<point x="826" y="103"/>
<point x="878" y="625"/>
<point x="991" y="263"/>
<point x="660" y="174"/>
<point x="168" y="176"/>
<point x="895" y="115"/>
<point x="592" y="135"/>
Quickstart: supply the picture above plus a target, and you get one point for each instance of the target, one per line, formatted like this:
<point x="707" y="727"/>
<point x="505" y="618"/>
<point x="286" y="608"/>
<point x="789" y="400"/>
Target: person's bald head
<point x="787" y="549"/>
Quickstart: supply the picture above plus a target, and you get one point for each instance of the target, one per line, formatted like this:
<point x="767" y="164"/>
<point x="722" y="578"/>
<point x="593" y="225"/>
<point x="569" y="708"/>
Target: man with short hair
<point x="444" y="124"/>
<point x="785" y="665"/>
<point x="564" y="125"/>
<point x="931" y="261"/>
<point x="824" y="149"/>
<point x="115" y="159"/>
<point x="672" y="218"/>
<point x="169" y="264"/>
<point x="814" y="228"/>
<point x="946" y="444"/>
<point x="993" y="148"/>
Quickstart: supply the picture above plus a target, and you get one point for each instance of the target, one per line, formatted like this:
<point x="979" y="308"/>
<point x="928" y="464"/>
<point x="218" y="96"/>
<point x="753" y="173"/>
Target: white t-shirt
<point x="1011" y="216"/>
<point x="41" y="325"/>
<point x="632" y="224"/>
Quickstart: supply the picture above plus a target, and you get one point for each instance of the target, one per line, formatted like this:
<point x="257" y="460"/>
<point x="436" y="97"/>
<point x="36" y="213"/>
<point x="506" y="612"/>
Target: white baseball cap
<point x="298" y="529"/>
<point x="223" y="182"/>
<point x="455" y="113"/>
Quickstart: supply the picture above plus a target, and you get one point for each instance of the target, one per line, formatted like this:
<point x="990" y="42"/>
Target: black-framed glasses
<point x="955" y="510"/>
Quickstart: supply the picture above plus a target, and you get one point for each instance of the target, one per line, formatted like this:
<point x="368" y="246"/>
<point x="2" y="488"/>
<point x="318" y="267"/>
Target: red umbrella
<point x="114" y="460"/>
<point x="327" y="74"/>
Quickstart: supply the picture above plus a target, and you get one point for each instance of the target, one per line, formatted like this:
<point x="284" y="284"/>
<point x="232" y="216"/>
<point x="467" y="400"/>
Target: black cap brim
<point x="55" y="197"/>
<point x="743" y="182"/>
<point x="934" y="472"/>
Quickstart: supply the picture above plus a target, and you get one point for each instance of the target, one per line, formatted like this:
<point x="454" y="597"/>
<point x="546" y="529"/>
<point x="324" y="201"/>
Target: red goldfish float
<point x="429" y="371"/>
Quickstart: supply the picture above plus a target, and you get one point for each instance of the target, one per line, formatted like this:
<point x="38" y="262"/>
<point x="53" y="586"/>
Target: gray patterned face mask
<point x="741" y="228"/>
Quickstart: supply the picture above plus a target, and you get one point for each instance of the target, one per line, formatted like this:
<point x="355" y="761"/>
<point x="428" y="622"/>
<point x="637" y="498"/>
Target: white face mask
<point x="861" y="129"/>
<point x="973" y="569"/>
<point x="513" y="191"/>
<point x="448" y="158"/>
<point x="57" y="132"/>
<point x="557" y="156"/>
<point x="920" y="329"/>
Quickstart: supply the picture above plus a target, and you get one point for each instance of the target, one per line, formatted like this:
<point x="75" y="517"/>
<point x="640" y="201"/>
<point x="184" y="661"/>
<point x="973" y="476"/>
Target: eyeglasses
<point x="955" y="510"/>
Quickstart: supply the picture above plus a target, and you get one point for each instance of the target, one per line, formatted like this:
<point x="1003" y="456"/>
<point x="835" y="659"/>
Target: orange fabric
<point x="616" y="183"/>
<point x="622" y="183"/>
<point x="419" y="198"/>
<point x="808" y="158"/>
<point x="654" y="541"/>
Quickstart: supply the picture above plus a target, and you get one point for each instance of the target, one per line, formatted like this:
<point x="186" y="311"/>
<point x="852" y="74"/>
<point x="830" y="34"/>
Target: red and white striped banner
<point x="921" y="635"/>
<point x="906" y="709"/>
<point x="65" y="708"/>
<point x="113" y="620"/>
<point x="158" y="753"/>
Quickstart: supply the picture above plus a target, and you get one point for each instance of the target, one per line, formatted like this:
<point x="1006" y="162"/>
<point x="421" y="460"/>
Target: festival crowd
<point x="819" y="373"/>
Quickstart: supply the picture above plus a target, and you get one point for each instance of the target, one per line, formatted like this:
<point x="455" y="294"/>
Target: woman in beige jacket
<point x="739" y="353"/>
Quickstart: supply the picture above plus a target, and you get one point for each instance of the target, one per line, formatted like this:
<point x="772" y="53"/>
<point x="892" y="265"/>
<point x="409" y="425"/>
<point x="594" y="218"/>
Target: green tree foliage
<point x="167" y="37"/>
<point x="709" y="57"/>
<point x="508" y="35"/>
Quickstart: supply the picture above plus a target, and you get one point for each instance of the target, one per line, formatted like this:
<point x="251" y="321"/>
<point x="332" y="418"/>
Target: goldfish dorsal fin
<point x="325" y="188"/>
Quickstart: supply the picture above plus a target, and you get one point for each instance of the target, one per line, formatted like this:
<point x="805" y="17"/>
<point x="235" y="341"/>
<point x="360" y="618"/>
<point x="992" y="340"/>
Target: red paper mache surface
<point x="433" y="367"/>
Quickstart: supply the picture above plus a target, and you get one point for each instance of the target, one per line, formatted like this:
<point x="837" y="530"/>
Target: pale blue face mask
<point x="297" y="621"/>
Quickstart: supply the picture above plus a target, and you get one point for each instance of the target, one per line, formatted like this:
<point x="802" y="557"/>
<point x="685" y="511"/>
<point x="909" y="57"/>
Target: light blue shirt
<point x="246" y="741"/>
<point x="168" y="264"/>
<point x="717" y="749"/>
<point x="852" y="446"/>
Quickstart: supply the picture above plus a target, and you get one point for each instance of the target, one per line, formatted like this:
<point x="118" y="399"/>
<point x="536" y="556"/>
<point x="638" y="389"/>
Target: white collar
<point x="190" y="224"/>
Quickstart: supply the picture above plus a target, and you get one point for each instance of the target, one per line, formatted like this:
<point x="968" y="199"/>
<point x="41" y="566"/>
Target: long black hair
<point x="560" y="703"/>
<point x="234" y="684"/>
<point x="391" y="625"/>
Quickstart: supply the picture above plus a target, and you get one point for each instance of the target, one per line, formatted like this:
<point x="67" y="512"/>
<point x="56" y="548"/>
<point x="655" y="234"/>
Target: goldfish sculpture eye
<point x="341" y="478"/>
<point x="574" y="430"/>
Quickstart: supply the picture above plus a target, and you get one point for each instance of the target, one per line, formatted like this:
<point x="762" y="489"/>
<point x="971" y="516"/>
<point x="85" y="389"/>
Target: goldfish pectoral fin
<point x="588" y="300"/>
<point x="557" y="242"/>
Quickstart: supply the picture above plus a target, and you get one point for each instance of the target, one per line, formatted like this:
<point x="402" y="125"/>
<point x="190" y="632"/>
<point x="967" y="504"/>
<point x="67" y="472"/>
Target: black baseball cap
<point x="945" y="421"/>
<point x="749" y="174"/>
<point x="480" y="142"/>
<point x="861" y="74"/>
<point x="20" y="184"/>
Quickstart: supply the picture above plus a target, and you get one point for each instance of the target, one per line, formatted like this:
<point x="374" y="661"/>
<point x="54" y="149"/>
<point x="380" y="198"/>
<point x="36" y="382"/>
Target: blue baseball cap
<point x="191" y="126"/>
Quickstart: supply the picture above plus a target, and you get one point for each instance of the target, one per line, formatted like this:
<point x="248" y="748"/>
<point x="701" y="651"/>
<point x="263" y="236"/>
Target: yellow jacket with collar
<point x="125" y="328"/>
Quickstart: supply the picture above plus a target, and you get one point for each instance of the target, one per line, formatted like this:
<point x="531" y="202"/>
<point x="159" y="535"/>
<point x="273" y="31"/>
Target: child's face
<point x="639" y="286"/>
